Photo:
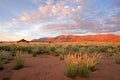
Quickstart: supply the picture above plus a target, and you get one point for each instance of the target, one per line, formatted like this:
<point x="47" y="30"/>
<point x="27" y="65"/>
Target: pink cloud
<point x="84" y="27"/>
<point x="60" y="10"/>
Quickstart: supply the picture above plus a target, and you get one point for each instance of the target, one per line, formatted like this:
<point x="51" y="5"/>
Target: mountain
<point x="74" y="38"/>
<point x="64" y="38"/>
<point x="23" y="40"/>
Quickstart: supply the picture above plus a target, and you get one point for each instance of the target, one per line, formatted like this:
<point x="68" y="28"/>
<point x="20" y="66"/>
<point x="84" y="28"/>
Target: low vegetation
<point x="19" y="61"/>
<point x="82" y="63"/>
<point x="80" y="58"/>
<point x="1" y="65"/>
<point x="117" y="58"/>
<point x="6" y="57"/>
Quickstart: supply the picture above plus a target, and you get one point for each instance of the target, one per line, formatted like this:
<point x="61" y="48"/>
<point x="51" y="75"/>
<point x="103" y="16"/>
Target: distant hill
<point x="74" y="38"/>
<point x="22" y="40"/>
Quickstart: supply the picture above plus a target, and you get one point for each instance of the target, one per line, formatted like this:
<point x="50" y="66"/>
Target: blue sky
<point x="31" y="19"/>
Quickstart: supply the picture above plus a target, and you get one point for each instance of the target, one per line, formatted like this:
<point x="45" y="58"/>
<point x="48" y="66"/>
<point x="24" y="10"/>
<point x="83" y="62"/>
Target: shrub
<point x="75" y="48"/>
<point x="52" y="49"/>
<point x="117" y="61"/>
<point x="34" y="54"/>
<point x="117" y="58"/>
<point x="105" y="48"/>
<point x="91" y="60"/>
<point x="72" y="62"/>
<point x="19" y="61"/>
<point x="84" y="71"/>
<point x="24" y="48"/>
<point x="83" y="49"/>
<point x="71" y="71"/>
<point x="61" y="56"/>
<point x="82" y="63"/>
<point x="5" y="48"/>
<point x="5" y="57"/>
<point x="110" y="52"/>
<point x="59" y="51"/>
<point x="13" y="53"/>
<point x="35" y="51"/>
<point x="62" y="53"/>
<point x="69" y="48"/>
<point x="92" y="49"/>
<point x="1" y="64"/>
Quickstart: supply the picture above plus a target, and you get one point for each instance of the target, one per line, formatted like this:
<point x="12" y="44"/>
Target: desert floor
<point x="50" y="67"/>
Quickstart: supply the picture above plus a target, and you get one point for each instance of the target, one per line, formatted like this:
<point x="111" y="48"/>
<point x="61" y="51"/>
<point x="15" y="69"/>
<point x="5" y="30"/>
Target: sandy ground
<point x="49" y="67"/>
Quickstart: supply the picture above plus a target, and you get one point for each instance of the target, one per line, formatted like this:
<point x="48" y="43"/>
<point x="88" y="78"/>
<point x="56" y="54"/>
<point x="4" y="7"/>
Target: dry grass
<point x="82" y="62"/>
<point x="19" y="61"/>
<point x="117" y="57"/>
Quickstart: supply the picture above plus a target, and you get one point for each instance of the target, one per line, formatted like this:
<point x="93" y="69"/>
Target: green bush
<point x="35" y="51"/>
<point x="117" y="61"/>
<point x="75" y="49"/>
<point x="1" y="65"/>
<point x="13" y="53"/>
<point x="5" y="48"/>
<point x="19" y="61"/>
<point x="60" y="52"/>
<point x="83" y="49"/>
<point x="84" y="71"/>
<point x="5" y="57"/>
<point x="93" y="68"/>
<point x="82" y="63"/>
<point x="52" y="49"/>
<point x="92" y="49"/>
<point x="34" y="54"/>
<point x="105" y="48"/>
<point x="24" y="48"/>
<point x="61" y="56"/>
<point x="71" y="71"/>
<point x="43" y="49"/>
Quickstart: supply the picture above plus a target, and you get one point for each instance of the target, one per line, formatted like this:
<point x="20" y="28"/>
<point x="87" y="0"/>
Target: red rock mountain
<point x="73" y="38"/>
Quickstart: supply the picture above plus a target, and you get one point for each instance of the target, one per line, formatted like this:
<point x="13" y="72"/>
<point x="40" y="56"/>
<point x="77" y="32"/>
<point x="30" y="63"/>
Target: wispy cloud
<point x="84" y="17"/>
<point x="58" y="10"/>
<point x="93" y="24"/>
<point x="11" y="32"/>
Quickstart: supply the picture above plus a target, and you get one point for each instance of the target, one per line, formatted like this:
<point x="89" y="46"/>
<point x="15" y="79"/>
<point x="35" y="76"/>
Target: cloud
<point x="83" y="20"/>
<point x="59" y="26"/>
<point x="85" y="25"/>
<point x="5" y="31"/>
<point x="10" y="32"/>
<point x="114" y="19"/>
<point x="78" y="0"/>
<point x="58" y="10"/>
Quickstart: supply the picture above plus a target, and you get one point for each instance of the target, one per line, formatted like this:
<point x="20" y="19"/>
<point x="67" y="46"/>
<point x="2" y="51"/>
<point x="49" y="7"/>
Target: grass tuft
<point x="82" y="63"/>
<point x="19" y="61"/>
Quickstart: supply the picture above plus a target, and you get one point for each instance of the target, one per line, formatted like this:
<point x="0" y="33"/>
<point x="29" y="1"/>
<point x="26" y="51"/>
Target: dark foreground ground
<point x="50" y="67"/>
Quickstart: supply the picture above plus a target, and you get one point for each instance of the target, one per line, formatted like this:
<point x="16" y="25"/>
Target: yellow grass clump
<point x="19" y="61"/>
<point x="84" y="61"/>
<point x="117" y="57"/>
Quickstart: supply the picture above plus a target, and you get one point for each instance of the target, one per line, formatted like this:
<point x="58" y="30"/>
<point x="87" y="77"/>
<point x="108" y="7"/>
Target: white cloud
<point x="78" y="0"/>
<point x="10" y="32"/>
<point x="4" y="31"/>
<point x="75" y="11"/>
<point x="60" y="10"/>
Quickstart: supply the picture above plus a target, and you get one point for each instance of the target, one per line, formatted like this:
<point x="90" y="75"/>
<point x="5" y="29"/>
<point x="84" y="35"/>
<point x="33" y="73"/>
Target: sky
<point x="32" y="19"/>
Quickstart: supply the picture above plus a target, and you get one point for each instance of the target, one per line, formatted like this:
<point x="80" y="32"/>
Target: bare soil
<point x="50" y="67"/>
